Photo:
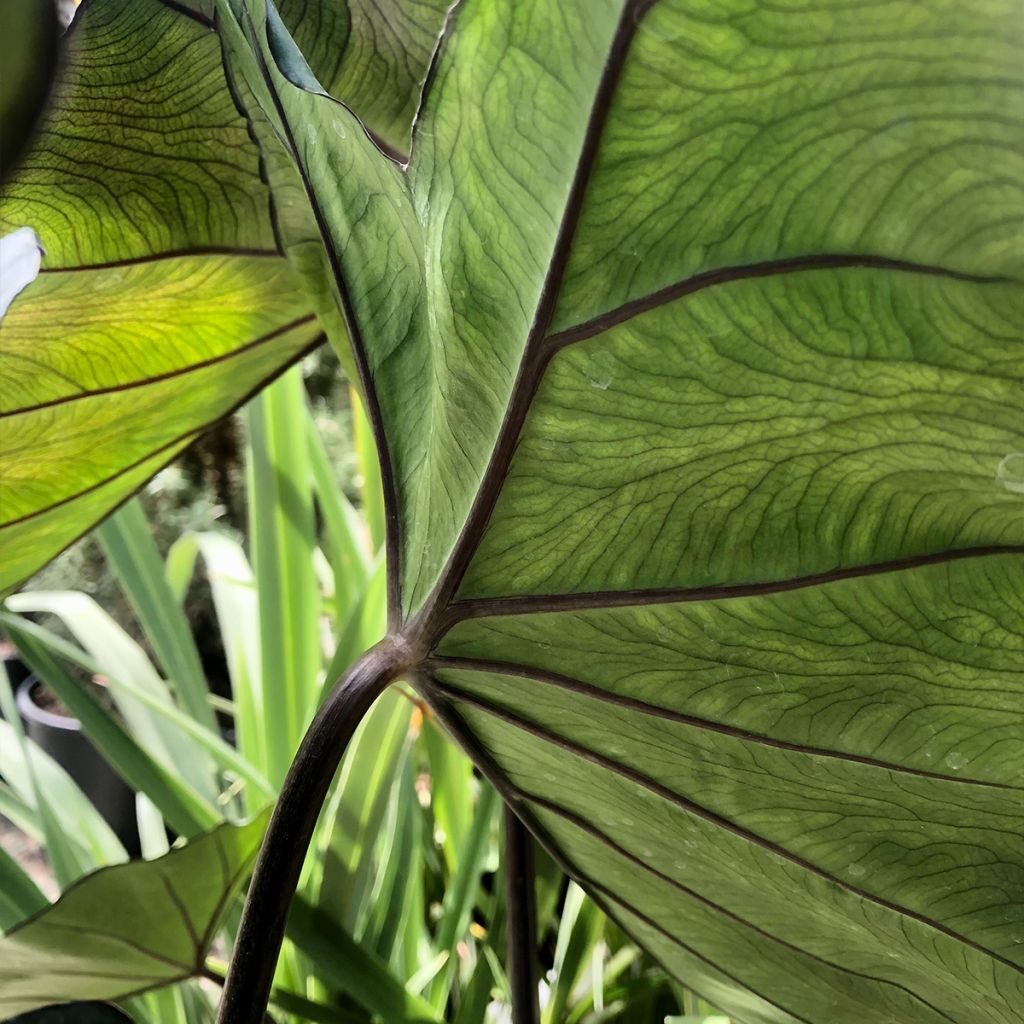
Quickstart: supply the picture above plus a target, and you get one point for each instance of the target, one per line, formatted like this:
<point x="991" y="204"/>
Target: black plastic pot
<point x="62" y="738"/>
<point x="17" y="670"/>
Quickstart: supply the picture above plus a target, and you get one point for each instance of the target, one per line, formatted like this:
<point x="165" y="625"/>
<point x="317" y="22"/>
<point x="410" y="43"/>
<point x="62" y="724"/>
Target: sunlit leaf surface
<point x="162" y="300"/>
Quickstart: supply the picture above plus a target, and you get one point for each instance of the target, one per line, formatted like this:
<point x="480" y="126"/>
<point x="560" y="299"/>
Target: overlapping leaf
<point x="371" y="56"/>
<point x="163" y="300"/>
<point x="128" y="928"/>
<point x="694" y="337"/>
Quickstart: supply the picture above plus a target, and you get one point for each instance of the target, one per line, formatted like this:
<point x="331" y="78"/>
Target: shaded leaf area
<point x="127" y="928"/>
<point x="162" y="300"/>
<point x="693" y="342"/>
<point x="28" y="53"/>
<point x="438" y="268"/>
<point x="371" y="56"/>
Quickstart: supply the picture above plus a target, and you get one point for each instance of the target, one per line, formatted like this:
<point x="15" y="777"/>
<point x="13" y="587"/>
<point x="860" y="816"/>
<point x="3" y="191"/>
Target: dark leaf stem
<point x="250" y="978"/>
<point x="521" y="908"/>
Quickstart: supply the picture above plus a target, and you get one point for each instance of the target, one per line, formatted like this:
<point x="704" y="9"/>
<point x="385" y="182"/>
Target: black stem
<point x="261" y="932"/>
<point x="521" y="908"/>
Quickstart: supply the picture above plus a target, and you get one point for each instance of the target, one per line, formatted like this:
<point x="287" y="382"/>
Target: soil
<point x="46" y="700"/>
<point x="29" y="854"/>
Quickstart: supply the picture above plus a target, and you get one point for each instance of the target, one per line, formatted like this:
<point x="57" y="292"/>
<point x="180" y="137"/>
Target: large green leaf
<point x="128" y="928"/>
<point x="691" y="336"/>
<point x="163" y="301"/>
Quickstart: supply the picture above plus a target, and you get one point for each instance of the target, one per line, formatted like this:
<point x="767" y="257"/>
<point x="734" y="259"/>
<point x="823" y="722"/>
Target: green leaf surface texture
<point x="162" y="300"/>
<point x="128" y="928"/>
<point x="690" y="334"/>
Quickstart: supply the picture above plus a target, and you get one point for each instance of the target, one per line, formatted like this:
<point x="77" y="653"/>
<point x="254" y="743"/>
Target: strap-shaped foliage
<point x="691" y="334"/>
<point x="128" y="928"/>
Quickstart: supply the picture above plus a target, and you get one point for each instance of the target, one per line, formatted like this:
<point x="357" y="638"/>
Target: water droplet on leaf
<point x="1010" y="472"/>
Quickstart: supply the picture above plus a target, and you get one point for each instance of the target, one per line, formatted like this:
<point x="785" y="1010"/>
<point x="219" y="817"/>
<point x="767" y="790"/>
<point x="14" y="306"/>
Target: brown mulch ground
<point x="29" y="854"/>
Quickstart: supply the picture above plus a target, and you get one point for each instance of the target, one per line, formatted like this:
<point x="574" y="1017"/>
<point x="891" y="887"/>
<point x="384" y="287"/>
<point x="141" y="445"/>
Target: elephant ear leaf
<point x="692" y="337"/>
<point x="162" y="301"/>
<point x="126" y="929"/>
<point x="163" y="200"/>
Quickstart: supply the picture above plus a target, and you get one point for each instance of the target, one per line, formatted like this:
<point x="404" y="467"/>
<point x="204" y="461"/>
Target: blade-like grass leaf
<point x="42" y="799"/>
<point x="119" y="657"/>
<point x="357" y="808"/>
<point x="235" y="600"/>
<point x="281" y="527"/>
<point x="62" y="856"/>
<point x="185" y="809"/>
<point x="342" y="962"/>
<point x="19" y="894"/>
<point x="345" y="538"/>
<point x="133" y="555"/>
<point x="40" y="645"/>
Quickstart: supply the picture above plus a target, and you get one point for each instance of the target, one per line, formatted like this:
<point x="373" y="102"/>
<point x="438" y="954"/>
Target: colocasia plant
<point x="690" y="333"/>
